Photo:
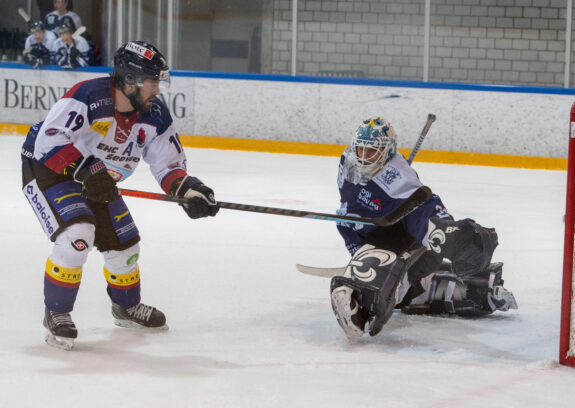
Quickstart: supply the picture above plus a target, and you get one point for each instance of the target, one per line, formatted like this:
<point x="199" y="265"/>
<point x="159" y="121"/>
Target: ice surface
<point x="248" y="330"/>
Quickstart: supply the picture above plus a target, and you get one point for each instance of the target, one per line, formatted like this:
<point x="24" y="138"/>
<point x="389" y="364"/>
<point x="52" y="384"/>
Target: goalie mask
<point x="373" y="145"/>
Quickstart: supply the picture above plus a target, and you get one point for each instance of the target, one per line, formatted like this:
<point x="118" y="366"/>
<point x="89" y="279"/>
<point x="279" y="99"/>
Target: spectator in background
<point x="38" y="45"/>
<point x="60" y="16"/>
<point x="70" y="52"/>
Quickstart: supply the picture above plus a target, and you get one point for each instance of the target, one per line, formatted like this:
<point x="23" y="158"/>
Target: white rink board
<point x="523" y="124"/>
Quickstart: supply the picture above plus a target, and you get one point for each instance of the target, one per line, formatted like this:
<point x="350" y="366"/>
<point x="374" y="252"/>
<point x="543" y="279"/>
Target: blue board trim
<point x="330" y="80"/>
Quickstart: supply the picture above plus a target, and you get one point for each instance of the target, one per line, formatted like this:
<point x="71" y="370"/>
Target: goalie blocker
<point x="377" y="280"/>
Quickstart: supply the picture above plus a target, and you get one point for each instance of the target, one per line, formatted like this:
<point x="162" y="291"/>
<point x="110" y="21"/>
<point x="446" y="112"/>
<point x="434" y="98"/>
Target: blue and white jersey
<point x="49" y="38"/>
<point x="53" y="20"/>
<point x="62" y="53"/>
<point x="85" y="123"/>
<point x="386" y="191"/>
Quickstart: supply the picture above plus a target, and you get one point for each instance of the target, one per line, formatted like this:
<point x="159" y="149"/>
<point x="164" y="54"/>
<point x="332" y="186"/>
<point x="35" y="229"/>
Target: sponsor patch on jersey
<point x="80" y="245"/>
<point x="51" y="132"/>
<point x="364" y="198"/>
<point x="116" y="175"/>
<point x="101" y="127"/>
<point x="138" y="49"/>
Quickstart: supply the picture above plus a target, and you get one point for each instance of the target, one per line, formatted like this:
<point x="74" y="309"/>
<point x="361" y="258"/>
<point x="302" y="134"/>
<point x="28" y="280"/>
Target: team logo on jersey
<point x="141" y="139"/>
<point x="366" y="264"/>
<point x="391" y="174"/>
<point x="79" y="245"/>
<point x="121" y="136"/>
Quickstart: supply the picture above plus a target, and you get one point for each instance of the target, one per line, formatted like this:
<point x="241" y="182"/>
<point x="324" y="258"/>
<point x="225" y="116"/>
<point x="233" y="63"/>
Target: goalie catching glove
<point x="201" y="201"/>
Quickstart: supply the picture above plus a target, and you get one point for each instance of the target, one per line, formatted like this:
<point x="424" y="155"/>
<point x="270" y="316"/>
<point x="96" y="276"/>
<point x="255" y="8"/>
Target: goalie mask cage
<point x="567" y="341"/>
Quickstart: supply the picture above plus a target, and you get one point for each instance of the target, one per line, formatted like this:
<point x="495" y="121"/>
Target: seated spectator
<point x="38" y="45"/>
<point x="61" y="15"/>
<point x="70" y="52"/>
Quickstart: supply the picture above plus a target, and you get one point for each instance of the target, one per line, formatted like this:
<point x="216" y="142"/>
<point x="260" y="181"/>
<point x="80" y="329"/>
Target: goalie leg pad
<point x="468" y="245"/>
<point x="350" y="316"/>
<point x="486" y="290"/>
<point x="377" y="280"/>
<point x="478" y="296"/>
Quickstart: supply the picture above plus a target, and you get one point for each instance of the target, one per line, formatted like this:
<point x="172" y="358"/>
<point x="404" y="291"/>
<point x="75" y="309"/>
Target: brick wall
<point x="517" y="42"/>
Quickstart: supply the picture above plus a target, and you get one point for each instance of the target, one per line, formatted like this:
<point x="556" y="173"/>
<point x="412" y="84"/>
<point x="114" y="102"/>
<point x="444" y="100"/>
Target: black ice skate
<point x="139" y="316"/>
<point x="60" y="330"/>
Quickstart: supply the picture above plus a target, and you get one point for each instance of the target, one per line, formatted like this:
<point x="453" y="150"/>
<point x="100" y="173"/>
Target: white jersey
<point x="61" y="53"/>
<point x="49" y="38"/>
<point x="85" y="123"/>
<point x="53" y="20"/>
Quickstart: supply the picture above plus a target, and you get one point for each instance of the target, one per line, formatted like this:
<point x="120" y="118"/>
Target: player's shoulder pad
<point x="397" y="178"/>
<point x="96" y="95"/>
<point x="158" y="116"/>
<point x="86" y="90"/>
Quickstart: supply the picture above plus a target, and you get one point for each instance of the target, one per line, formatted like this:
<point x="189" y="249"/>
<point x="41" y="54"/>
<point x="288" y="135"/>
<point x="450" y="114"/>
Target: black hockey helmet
<point x="65" y="28"/>
<point x="36" y="26"/>
<point x="136" y="61"/>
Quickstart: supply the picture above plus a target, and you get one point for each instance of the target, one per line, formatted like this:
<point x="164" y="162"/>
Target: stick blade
<point x="24" y="15"/>
<point x="321" y="272"/>
<point x="79" y="32"/>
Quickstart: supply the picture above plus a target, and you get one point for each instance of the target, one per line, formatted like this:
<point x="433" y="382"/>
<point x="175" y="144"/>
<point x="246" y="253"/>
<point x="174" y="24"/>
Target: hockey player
<point x="38" y="45"/>
<point x="427" y="263"/>
<point x="61" y="15"/>
<point x="70" y="52"/>
<point x="91" y="139"/>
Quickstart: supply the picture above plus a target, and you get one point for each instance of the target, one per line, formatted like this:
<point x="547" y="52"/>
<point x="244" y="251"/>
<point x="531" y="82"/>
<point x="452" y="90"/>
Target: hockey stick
<point x="321" y="272"/>
<point x="24" y="15"/>
<point x="430" y="119"/>
<point x="414" y="201"/>
<point x="78" y="32"/>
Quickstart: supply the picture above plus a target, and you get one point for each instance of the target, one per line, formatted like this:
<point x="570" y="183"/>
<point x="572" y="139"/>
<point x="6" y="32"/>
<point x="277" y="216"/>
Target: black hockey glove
<point x="99" y="186"/>
<point x="74" y="54"/>
<point x="201" y="201"/>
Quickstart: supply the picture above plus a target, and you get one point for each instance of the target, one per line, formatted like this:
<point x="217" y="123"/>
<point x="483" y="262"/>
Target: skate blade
<point x="62" y="343"/>
<point x="128" y="324"/>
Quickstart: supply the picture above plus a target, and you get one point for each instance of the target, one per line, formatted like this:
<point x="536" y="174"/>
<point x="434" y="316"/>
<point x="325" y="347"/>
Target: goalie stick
<point x="430" y="119"/>
<point x="420" y="196"/>
<point x="338" y="271"/>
